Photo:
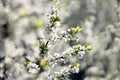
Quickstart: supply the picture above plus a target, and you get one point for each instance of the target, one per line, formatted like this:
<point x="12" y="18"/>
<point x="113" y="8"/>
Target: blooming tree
<point x="46" y="62"/>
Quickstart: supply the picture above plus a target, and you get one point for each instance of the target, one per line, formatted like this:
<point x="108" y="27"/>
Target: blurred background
<point x="99" y="19"/>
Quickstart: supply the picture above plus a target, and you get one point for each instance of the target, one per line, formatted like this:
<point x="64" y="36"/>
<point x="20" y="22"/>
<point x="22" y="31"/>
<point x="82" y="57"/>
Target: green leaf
<point x="55" y="18"/>
<point x="37" y="24"/>
<point x="44" y="63"/>
<point x="78" y="29"/>
<point x="71" y="30"/>
<point x="74" y="30"/>
<point x="25" y="63"/>
<point x="58" y="18"/>
<point x="77" y="65"/>
<point x="89" y="47"/>
<point x="24" y="13"/>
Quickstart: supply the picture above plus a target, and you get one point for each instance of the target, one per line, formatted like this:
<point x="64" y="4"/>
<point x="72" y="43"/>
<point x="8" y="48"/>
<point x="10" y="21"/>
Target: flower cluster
<point x="65" y="72"/>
